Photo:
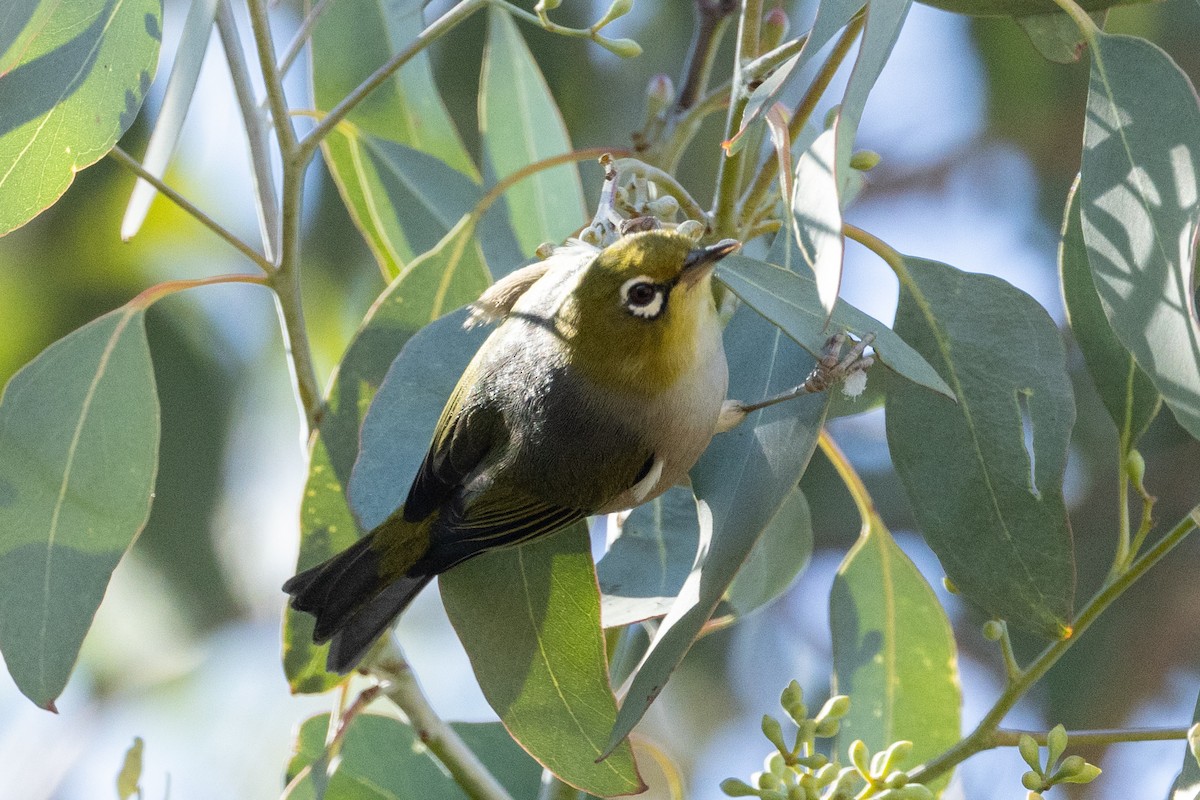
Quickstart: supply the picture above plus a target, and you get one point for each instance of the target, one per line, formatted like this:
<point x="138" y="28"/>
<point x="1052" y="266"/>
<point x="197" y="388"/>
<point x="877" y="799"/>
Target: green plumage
<point x="580" y="402"/>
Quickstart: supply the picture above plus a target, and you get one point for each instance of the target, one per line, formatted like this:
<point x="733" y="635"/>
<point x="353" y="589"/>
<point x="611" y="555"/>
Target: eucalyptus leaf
<point x="789" y="299"/>
<point x="1187" y="783"/>
<point x="989" y="503"/>
<point x="349" y="42"/>
<point x="1127" y="392"/>
<point x="79" y="430"/>
<point x="529" y="618"/>
<point x="817" y="220"/>
<point x="73" y="79"/>
<point x="1020" y="8"/>
<point x="1056" y="36"/>
<point x="189" y="57"/>
<point x="893" y="653"/>
<point x="450" y="276"/>
<point x="740" y="482"/>
<point x="382" y="759"/>
<point x="646" y="565"/>
<point x="1141" y="211"/>
<point x="778" y="558"/>
<point x="130" y="776"/>
<point x="519" y="124"/>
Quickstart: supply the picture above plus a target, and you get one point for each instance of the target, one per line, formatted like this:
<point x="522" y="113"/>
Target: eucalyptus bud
<point x="660" y="94"/>
<point x="949" y="586"/>
<point x="774" y="29"/>
<point x="618" y="9"/>
<point x="774" y="732"/>
<point x="1075" y="770"/>
<point x="1056" y="744"/>
<point x="858" y="757"/>
<point x="865" y="160"/>
<point x="547" y="5"/>
<point x="1136" y="466"/>
<point x="1033" y="780"/>
<point x="1030" y="752"/>
<point x="1193" y="737"/>
<point x="733" y="787"/>
<point x="792" y="699"/>
<point x="993" y="630"/>
<point x="693" y="229"/>
<point x="835" y="707"/>
<point x="625" y="48"/>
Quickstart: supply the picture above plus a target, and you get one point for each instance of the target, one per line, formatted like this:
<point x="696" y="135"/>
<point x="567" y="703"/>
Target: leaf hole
<point x="1027" y="439"/>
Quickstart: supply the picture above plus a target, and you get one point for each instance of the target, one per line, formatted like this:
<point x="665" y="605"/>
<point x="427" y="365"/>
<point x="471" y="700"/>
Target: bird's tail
<point x="354" y="599"/>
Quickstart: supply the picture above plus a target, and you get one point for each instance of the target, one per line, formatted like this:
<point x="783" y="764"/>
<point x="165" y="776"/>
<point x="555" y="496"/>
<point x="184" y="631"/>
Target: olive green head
<point x="640" y="305"/>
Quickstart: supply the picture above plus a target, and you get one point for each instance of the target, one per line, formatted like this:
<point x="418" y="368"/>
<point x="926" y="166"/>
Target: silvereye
<point x="599" y="390"/>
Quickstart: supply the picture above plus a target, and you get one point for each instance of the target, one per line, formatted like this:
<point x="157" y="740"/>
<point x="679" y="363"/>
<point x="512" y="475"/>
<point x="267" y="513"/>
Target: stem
<point x="175" y="197"/>
<point x="850" y="477"/>
<point x="985" y="735"/>
<point x="1012" y="669"/>
<point x="302" y="34"/>
<point x="436" y="29"/>
<point x="769" y="169"/>
<point x="267" y="204"/>
<point x="402" y="689"/>
<point x="510" y="180"/>
<point x="665" y="181"/>
<point x="711" y="16"/>
<point x="1121" y="557"/>
<point x="748" y="33"/>
<point x="261" y="25"/>
<point x="1087" y="25"/>
<point x="1007" y="737"/>
<point x="158" y="291"/>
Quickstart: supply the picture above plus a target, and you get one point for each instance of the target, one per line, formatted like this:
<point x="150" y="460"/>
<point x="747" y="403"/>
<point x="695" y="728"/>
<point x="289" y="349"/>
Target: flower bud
<point x="888" y="758"/>
<point x="949" y="586"/>
<point x="775" y="764"/>
<point x="1030" y="752"/>
<point x="827" y="728"/>
<point x="792" y="700"/>
<point x="865" y="160"/>
<point x="693" y="229"/>
<point x="774" y="732"/>
<point x="858" y="757"/>
<point x="547" y="5"/>
<point x="769" y="780"/>
<point x="625" y="48"/>
<point x="1086" y="774"/>
<point x="1136" y="466"/>
<point x="1033" y="780"/>
<point x="835" y="707"/>
<point x="914" y="791"/>
<point x="733" y="787"/>
<point x="831" y="116"/>
<point x="1056" y="744"/>
<point x="1034" y="796"/>
<point x="993" y="629"/>
<point x="1193" y="737"/>
<point x="774" y="29"/>
<point x="660" y="94"/>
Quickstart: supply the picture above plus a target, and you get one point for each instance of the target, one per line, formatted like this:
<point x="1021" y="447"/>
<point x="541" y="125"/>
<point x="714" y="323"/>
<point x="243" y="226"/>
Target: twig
<point x="119" y="155"/>
<point x="158" y="291"/>
<point x="1007" y="737"/>
<point x="276" y="97"/>
<point x="302" y="34"/>
<point x="711" y="16"/>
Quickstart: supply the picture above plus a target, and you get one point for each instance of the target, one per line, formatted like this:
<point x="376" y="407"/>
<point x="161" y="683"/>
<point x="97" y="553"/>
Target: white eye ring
<point x="646" y="310"/>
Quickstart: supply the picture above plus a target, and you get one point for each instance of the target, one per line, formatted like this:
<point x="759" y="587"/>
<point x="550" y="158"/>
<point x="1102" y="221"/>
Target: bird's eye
<point x="642" y="294"/>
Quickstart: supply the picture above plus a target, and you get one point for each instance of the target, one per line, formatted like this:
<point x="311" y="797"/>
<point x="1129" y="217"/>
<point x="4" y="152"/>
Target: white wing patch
<point x="642" y="488"/>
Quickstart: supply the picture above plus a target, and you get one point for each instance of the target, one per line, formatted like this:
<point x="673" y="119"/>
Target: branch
<point x="402" y="689"/>
<point x="711" y="16"/>
<point x="436" y="29"/>
<point x="119" y="155"/>
<point x="1007" y="737"/>
<point x="275" y="95"/>
<point x="301" y="37"/>
<point x="158" y="291"/>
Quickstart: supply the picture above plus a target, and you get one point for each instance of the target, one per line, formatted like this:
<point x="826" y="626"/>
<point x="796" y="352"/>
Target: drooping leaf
<point x="1127" y="392"/>
<point x="893" y="652"/>
<point x="520" y="123"/>
<point x="885" y="18"/>
<point x="778" y="558"/>
<point x="351" y="40"/>
<point x="189" y="57"/>
<point x="381" y="759"/>
<point x="529" y="618"/>
<point x="646" y="565"/>
<point x="989" y="503"/>
<point x="450" y="276"/>
<point x="73" y="78"/>
<point x="1141" y="211"/>
<point x="1019" y="8"/>
<point x="399" y="426"/>
<point x="740" y="483"/>
<point x="789" y="300"/>
<point x="817" y="220"/>
<point x="1056" y="36"/>
<point x="78" y="456"/>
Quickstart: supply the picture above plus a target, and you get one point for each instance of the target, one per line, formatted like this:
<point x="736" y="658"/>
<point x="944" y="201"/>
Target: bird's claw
<point x="833" y="368"/>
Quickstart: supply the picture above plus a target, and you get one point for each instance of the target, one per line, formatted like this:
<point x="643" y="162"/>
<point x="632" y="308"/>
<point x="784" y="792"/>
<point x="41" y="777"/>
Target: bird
<point x="602" y="384"/>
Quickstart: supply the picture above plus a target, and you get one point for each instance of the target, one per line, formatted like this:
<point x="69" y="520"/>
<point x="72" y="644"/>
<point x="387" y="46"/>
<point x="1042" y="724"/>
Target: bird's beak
<point x="701" y="261"/>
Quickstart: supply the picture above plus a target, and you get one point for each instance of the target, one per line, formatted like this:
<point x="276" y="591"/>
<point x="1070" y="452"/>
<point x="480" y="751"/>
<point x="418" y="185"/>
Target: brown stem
<point x="710" y="20"/>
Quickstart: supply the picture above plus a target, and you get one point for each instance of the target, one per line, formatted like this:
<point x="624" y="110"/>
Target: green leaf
<point x="789" y="300"/>
<point x="520" y="123"/>
<point x="181" y="86"/>
<point x="1138" y="195"/>
<point x="885" y="18"/>
<point x="78" y="456"/>
<point x="817" y="220"/>
<point x="1127" y="392"/>
<point x="350" y="40"/>
<point x="450" y="276"/>
<point x="646" y="565"/>
<point x="381" y="759"/>
<point x="740" y="482"/>
<point x="779" y="556"/>
<point x="72" y="81"/>
<point x="529" y="618"/>
<point x="991" y="509"/>
<point x="1020" y="8"/>
<point x="1056" y="36"/>
<point x="131" y="771"/>
<point x="399" y="426"/>
<point x="893" y="653"/>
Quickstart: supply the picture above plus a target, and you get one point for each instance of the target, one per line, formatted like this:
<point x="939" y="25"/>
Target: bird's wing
<point x="497" y="518"/>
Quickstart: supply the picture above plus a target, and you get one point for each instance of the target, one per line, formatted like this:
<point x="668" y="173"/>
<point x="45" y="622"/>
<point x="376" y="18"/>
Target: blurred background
<point x="980" y="140"/>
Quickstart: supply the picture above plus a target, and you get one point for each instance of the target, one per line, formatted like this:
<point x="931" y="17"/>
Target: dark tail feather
<point x="353" y="639"/>
<point x="352" y="601"/>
